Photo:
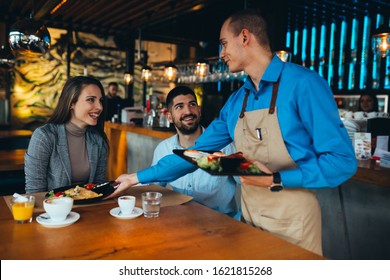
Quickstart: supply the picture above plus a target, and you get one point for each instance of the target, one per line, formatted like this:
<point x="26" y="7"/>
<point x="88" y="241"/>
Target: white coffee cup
<point x="372" y="114"/>
<point x="358" y="115"/>
<point x="58" y="208"/>
<point x="126" y="204"/>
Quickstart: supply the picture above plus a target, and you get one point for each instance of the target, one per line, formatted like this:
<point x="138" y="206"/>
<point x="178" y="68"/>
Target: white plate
<point x="45" y="220"/>
<point x="136" y="213"/>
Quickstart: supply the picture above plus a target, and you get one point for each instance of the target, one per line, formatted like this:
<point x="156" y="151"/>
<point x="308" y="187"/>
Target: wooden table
<point x="12" y="160"/>
<point x="185" y="232"/>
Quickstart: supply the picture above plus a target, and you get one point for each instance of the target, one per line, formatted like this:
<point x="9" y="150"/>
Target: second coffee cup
<point x="126" y="204"/>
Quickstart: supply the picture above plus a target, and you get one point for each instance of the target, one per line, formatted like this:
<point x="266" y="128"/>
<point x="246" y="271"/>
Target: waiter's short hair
<point x="179" y="90"/>
<point x="253" y="21"/>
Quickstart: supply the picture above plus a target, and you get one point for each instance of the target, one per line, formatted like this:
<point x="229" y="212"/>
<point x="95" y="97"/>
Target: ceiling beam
<point x="46" y="8"/>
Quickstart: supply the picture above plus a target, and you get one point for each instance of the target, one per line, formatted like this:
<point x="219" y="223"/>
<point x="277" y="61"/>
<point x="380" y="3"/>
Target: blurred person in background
<point x="368" y="103"/>
<point x="114" y="102"/>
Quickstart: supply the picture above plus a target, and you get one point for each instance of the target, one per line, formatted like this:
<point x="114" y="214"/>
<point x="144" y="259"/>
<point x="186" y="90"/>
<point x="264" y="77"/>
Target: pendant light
<point x="201" y="68"/>
<point x="170" y="69"/>
<point x="146" y="73"/>
<point x="27" y="37"/>
<point x="170" y="72"/>
<point x="381" y="41"/>
<point x="128" y="78"/>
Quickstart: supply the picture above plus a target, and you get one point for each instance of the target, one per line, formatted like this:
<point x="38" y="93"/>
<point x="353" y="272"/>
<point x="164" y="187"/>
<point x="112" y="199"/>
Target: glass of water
<point x="151" y="204"/>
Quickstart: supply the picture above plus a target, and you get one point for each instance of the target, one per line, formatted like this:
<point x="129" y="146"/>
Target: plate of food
<point x="84" y="194"/>
<point x="217" y="163"/>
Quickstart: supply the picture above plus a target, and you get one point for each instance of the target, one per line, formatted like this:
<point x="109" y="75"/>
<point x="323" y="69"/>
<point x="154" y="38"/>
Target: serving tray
<point x="234" y="172"/>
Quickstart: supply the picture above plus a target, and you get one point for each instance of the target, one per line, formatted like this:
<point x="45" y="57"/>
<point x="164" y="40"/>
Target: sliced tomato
<point x="58" y="194"/>
<point x="245" y="165"/>
<point x="90" y="186"/>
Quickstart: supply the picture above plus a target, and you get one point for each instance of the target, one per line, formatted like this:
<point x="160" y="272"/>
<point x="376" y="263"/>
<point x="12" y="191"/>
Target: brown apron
<point x="293" y="214"/>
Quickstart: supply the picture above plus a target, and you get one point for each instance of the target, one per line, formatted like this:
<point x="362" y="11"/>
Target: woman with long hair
<point x="368" y="103"/>
<point x="71" y="148"/>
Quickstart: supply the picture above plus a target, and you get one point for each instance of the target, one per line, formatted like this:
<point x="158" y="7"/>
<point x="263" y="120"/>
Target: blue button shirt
<point x="215" y="192"/>
<point x="311" y="128"/>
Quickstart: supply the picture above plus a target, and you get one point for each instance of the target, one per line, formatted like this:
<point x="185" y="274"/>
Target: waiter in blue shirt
<point x="285" y="118"/>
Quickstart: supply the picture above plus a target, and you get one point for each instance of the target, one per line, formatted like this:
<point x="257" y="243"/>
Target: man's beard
<point x="186" y="130"/>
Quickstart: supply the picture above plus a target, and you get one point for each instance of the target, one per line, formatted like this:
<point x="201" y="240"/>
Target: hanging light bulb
<point x="201" y="69"/>
<point x="27" y="37"/>
<point x="381" y="41"/>
<point x="170" y="69"/>
<point x="146" y="73"/>
<point x="128" y="78"/>
<point x="284" y="55"/>
<point x="170" y="72"/>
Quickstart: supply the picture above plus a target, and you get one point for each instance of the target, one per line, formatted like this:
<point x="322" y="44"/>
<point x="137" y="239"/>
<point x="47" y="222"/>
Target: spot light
<point x="128" y="78"/>
<point x="146" y="73"/>
<point x="201" y="69"/>
<point x="381" y="41"/>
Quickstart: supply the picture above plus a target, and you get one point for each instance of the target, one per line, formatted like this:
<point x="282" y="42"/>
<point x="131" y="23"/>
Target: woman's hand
<point x="259" y="181"/>
<point x="125" y="181"/>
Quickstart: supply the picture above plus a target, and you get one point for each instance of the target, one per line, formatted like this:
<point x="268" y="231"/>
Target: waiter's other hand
<point x="125" y="181"/>
<point x="259" y="181"/>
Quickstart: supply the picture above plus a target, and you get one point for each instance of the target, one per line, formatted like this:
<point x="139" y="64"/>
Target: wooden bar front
<point x="117" y="137"/>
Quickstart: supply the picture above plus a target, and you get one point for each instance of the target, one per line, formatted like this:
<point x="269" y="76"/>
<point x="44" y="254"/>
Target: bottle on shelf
<point x="163" y="121"/>
<point x="145" y="121"/>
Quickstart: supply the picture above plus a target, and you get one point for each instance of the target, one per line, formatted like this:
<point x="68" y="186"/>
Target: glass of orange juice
<point x="22" y="209"/>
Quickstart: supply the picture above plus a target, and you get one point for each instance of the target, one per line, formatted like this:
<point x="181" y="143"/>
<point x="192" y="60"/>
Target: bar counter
<point x="370" y="172"/>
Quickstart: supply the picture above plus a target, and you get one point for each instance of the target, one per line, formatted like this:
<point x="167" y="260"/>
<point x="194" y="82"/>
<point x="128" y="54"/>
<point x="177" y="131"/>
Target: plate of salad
<point x="219" y="164"/>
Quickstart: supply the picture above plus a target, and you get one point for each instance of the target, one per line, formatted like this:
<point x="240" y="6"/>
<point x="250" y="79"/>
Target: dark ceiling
<point x="184" y="20"/>
<point x="175" y="21"/>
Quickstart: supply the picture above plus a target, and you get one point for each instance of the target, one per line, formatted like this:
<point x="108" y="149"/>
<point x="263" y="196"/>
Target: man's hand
<point x="259" y="181"/>
<point x="125" y="182"/>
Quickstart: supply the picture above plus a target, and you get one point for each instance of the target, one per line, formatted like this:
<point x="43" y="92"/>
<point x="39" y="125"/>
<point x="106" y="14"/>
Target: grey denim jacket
<point x="47" y="163"/>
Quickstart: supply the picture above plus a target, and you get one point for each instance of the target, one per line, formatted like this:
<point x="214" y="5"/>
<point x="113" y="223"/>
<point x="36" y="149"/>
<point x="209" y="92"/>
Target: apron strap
<point x="244" y="104"/>
<point x="273" y="100"/>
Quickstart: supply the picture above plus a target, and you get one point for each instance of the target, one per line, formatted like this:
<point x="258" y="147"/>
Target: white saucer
<point x="136" y="213"/>
<point x="45" y="220"/>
